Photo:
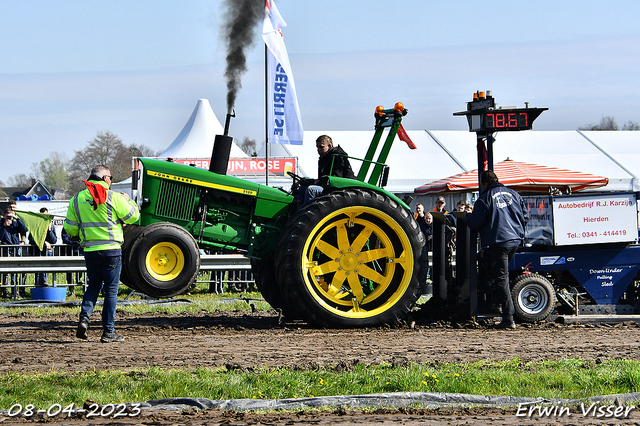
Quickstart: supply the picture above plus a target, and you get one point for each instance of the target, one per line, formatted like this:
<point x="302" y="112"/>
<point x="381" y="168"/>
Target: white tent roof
<point x="197" y="137"/>
<point x="443" y="153"/>
<point x="623" y="147"/>
<point x="124" y="186"/>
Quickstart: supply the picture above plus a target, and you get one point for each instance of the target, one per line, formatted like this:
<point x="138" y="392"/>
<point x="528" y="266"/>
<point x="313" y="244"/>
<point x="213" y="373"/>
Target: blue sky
<point x="71" y="68"/>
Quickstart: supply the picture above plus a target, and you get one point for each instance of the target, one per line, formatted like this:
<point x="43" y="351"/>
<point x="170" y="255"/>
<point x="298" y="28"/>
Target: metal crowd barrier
<point x="19" y="260"/>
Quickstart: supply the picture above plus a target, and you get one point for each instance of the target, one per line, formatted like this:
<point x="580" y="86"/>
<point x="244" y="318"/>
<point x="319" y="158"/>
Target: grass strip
<point x="570" y="379"/>
<point x="202" y="301"/>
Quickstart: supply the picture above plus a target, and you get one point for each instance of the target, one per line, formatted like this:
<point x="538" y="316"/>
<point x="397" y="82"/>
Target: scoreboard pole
<point x="485" y="118"/>
<point x="482" y="153"/>
<point x="485" y="154"/>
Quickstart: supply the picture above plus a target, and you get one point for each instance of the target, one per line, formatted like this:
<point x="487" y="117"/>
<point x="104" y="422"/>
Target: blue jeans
<point x="41" y="278"/>
<point x="308" y="193"/>
<point x="103" y="273"/>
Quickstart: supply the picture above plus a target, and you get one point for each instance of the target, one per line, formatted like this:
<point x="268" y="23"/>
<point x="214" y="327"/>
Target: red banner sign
<point x="247" y="166"/>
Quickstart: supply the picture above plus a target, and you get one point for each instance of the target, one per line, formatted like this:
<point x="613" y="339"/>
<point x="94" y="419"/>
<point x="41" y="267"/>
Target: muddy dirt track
<point x="248" y="340"/>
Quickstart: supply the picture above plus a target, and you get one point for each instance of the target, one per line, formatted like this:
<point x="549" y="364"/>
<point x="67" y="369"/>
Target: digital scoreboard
<point x="483" y="116"/>
<point x="500" y="120"/>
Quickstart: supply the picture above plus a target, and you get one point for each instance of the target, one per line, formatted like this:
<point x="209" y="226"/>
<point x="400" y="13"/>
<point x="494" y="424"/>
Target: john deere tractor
<point x="348" y="258"/>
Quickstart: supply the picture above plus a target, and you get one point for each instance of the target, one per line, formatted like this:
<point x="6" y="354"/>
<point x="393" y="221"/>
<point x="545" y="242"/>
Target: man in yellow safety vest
<point x="95" y="216"/>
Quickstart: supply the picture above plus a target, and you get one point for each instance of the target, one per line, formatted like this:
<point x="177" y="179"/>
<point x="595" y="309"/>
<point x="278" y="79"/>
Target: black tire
<point x="534" y="298"/>
<point x="350" y="259"/>
<point x="164" y="260"/>
<point x="130" y="232"/>
<point x="264" y="275"/>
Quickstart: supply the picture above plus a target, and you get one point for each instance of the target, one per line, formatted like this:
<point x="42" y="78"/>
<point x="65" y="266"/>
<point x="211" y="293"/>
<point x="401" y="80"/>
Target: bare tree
<point x="107" y="149"/>
<point x="606" y="123"/>
<point x="609" y="123"/>
<point x="121" y="164"/>
<point x="102" y="149"/>
<point x="142" y="151"/>
<point x="20" y="180"/>
<point x="249" y="146"/>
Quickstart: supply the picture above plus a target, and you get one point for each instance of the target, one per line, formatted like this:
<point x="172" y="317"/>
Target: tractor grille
<point x="176" y="200"/>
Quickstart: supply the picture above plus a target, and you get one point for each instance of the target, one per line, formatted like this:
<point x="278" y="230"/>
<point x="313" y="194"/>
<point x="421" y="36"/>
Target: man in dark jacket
<point x="332" y="162"/>
<point x="500" y="216"/>
<point x="11" y="228"/>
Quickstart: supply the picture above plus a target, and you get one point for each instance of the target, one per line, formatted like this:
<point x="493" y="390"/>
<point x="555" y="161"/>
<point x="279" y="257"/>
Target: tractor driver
<point x="333" y="161"/>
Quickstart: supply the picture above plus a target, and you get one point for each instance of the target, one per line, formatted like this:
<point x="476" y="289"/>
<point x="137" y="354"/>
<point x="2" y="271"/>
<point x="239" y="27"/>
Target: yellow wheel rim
<point x="165" y="261"/>
<point x="357" y="262"/>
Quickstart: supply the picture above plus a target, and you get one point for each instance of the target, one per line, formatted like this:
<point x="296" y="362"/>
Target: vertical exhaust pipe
<point x="227" y="121"/>
<point x="222" y="149"/>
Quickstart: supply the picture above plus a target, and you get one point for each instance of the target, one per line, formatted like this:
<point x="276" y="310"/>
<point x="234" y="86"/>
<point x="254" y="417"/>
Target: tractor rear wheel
<point x="350" y="259"/>
<point x="164" y="260"/>
<point x="264" y="275"/>
<point x="130" y="234"/>
<point x="533" y="297"/>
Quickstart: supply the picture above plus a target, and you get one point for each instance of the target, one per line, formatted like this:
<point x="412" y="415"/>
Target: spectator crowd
<point x="16" y="241"/>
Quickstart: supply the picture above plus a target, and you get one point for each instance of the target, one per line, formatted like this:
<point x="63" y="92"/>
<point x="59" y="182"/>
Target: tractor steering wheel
<point x="300" y="180"/>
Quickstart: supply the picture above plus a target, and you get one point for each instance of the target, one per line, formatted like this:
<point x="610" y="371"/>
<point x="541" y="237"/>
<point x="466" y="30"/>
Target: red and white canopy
<point x="519" y="176"/>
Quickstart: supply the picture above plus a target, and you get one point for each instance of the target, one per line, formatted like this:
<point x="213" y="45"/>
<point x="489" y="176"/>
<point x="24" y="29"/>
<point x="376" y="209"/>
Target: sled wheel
<point x="350" y="259"/>
<point x="533" y="297"/>
<point x="164" y="260"/>
<point x="264" y="275"/>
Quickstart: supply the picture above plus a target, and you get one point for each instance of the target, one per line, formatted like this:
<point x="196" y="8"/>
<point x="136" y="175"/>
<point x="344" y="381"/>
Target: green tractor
<point x="348" y="258"/>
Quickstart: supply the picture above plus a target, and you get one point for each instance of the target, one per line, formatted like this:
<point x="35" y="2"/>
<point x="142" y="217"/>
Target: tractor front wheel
<point x="164" y="260"/>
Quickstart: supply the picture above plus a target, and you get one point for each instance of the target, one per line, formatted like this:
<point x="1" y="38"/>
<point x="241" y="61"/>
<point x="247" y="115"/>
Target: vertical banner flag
<point x="283" y="115"/>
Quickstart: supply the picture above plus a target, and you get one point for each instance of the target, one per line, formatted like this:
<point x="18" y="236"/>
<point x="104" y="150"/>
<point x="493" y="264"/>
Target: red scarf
<point x="98" y="192"/>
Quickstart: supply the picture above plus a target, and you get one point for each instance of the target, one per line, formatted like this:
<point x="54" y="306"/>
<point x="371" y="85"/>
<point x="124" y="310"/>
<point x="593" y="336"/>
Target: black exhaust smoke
<point x="242" y="17"/>
<point x="222" y="149"/>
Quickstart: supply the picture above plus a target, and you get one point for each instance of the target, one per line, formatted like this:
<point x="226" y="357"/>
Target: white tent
<point x="124" y="186"/>
<point x="197" y="136"/>
<point x="622" y="147"/>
